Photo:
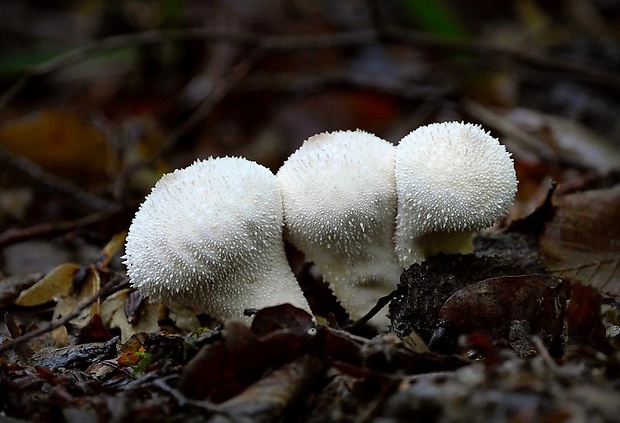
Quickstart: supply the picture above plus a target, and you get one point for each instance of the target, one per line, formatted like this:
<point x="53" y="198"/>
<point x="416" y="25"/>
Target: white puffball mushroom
<point x="209" y="236"/>
<point x="339" y="199"/>
<point x="452" y="179"/>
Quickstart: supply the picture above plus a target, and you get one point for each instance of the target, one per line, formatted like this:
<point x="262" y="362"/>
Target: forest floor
<point x="98" y="100"/>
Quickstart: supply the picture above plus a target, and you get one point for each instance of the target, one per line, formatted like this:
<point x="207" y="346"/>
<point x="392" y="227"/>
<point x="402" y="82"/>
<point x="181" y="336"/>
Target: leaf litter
<point x="525" y="329"/>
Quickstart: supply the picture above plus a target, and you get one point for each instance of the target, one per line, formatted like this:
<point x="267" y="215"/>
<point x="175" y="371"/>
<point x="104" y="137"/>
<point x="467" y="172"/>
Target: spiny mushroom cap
<point x="210" y="236"/>
<point x="452" y="179"/>
<point x="339" y="210"/>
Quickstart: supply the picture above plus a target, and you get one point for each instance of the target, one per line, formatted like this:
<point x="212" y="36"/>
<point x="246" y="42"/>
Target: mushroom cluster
<point x="363" y="210"/>
<point x="360" y="208"/>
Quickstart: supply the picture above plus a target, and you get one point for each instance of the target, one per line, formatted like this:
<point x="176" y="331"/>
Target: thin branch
<point x="584" y="71"/>
<point x="48" y="229"/>
<point x="281" y="43"/>
<point x="160" y="36"/>
<point x="55" y="182"/>
<point x="105" y="45"/>
<point x="183" y="401"/>
<point x="219" y="92"/>
<point x="382" y="302"/>
<point x="105" y="291"/>
<point x="308" y="83"/>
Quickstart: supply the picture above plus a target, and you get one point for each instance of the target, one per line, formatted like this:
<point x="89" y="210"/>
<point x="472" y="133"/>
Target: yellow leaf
<point x="114" y="246"/>
<point x="57" y="283"/>
<point x="59" y="141"/>
<point x="68" y="303"/>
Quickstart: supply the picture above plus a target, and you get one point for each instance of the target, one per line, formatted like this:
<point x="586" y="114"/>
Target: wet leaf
<point x="508" y="307"/>
<point x="582" y="240"/>
<point x="57" y="283"/>
<point x="426" y="286"/>
<point x="90" y="285"/>
<point x="231" y="365"/>
<point x="80" y="356"/>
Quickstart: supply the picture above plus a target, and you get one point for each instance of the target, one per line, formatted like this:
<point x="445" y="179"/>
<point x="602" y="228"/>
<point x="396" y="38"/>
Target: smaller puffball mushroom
<point x="452" y="179"/>
<point x="339" y="199"/>
<point x="210" y="236"/>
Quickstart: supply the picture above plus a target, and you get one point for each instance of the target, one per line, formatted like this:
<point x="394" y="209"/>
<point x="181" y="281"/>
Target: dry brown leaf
<point x="114" y="316"/>
<point x="582" y="240"/>
<point x="66" y="304"/>
<point x="59" y="141"/>
<point x="56" y="284"/>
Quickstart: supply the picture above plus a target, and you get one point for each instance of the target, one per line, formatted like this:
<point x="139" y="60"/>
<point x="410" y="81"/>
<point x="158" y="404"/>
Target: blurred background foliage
<point x="99" y="98"/>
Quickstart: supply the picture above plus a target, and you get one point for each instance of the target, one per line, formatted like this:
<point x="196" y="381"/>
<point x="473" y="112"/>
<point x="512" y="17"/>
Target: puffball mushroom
<point x="452" y="179"/>
<point x="210" y="236"/>
<point x="339" y="199"/>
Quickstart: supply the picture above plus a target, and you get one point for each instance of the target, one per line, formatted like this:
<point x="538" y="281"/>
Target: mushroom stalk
<point x="339" y="210"/>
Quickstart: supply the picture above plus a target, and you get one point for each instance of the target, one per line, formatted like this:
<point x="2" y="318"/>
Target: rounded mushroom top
<point x="210" y="236"/>
<point x="339" y="194"/>
<point x="451" y="177"/>
<point x="339" y="200"/>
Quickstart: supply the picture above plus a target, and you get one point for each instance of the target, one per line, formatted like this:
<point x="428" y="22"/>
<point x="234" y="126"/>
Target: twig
<point x="281" y="43"/>
<point x="54" y="181"/>
<point x="544" y="353"/>
<point x="182" y="400"/>
<point x="105" y="291"/>
<point x="382" y="302"/>
<point x="584" y="71"/>
<point x="314" y="82"/>
<point x="47" y="229"/>
<point x="160" y="36"/>
<point x="107" y="44"/>
<point x="220" y="90"/>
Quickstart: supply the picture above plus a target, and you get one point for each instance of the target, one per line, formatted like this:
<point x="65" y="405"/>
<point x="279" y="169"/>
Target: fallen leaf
<point x="113" y="315"/>
<point x="68" y="303"/>
<point x="568" y="138"/>
<point x="13" y="286"/>
<point x="284" y="316"/>
<point x="270" y="397"/>
<point x="80" y="356"/>
<point x="505" y="307"/>
<point x="583" y="318"/>
<point x="56" y="284"/>
<point x="240" y="358"/>
<point x="582" y="240"/>
<point x="426" y="286"/>
<point x="113" y="247"/>
<point x="59" y="141"/>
